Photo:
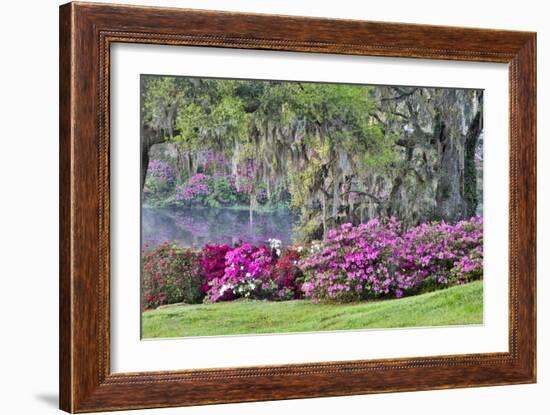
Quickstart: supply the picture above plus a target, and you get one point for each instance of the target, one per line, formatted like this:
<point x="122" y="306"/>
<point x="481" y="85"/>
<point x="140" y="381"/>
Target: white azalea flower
<point x="275" y="244"/>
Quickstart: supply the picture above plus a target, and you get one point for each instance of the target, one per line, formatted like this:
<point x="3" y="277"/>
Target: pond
<point x="194" y="227"/>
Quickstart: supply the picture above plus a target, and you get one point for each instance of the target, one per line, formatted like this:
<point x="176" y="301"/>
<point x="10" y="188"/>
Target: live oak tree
<point x="345" y="153"/>
<point x="440" y="136"/>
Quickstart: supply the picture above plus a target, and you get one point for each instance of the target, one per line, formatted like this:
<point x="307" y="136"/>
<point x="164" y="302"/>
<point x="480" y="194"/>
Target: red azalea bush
<point x="170" y="275"/>
<point x="287" y="275"/>
<point x="213" y="264"/>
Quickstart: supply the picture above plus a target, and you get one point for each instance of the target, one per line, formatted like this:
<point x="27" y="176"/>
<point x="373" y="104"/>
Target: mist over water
<point x="194" y="227"/>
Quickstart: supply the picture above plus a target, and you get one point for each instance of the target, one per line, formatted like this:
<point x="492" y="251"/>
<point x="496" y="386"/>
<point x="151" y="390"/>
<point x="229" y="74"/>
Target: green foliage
<point x="303" y="180"/>
<point x="280" y="197"/>
<point x="212" y="117"/>
<point x="381" y="154"/>
<point x="221" y="193"/>
<point x="188" y="123"/>
<point x="162" y="99"/>
<point x="155" y="185"/>
<point x="310" y="227"/>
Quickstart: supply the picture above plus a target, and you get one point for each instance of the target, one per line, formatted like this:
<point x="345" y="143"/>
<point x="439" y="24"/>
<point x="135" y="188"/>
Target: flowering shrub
<point x="161" y="170"/>
<point x="213" y="264"/>
<point x="253" y="272"/>
<point x="196" y="187"/>
<point x="261" y="196"/>
<point x="275" y="246"/>
<point x="214" y="159"/>
<point x="380" y="258"/>
<point x="160" y="176"/>
<point x="214" y="190"/>
<point x="170" y="275"/>
<point x="447" y="254"/>
<point x="287" y="276"/>
<point x="246" y="274"/>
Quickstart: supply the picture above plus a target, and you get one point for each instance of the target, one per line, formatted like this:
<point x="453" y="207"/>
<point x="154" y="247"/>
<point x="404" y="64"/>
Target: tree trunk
<point x="395" y="203"/>
<point x="149" y="137"/>
<point x="251" y="210"/>
<point x="335" y="193"/>
<point x="451" y="205"/>
<point x="144" y="162"/>
<point x="470" y="171"/>
<point x="351" y="208"/>
<point x="324" y="207"/>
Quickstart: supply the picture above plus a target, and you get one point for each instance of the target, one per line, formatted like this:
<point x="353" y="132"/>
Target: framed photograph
<point x="258" y="207"/>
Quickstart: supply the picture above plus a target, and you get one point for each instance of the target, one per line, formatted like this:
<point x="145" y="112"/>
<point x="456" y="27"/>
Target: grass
<point x="453" y="306"/>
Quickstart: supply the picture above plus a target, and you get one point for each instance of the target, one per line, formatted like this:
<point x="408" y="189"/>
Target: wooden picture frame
<point x="86" y="33"/>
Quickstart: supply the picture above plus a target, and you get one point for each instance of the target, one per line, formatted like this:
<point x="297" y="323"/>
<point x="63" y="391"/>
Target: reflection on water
<point x="194" y="227"/>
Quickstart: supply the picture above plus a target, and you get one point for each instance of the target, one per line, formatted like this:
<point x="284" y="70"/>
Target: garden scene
<point x="272" y="207"/>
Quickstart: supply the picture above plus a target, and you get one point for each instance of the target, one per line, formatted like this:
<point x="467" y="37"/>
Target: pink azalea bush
<point x="382" y="259"/>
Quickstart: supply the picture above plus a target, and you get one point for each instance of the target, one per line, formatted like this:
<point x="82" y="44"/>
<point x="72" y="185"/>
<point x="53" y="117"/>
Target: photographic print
<point x="291" y="206"/>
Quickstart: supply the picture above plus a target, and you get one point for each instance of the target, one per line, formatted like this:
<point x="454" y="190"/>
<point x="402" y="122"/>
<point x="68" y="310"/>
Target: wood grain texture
<point x="86" y="33"/>
<point x="65" y="248"/>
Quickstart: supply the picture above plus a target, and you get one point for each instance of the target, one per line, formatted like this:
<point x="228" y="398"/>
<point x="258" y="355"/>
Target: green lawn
<point x="452" y="306"/>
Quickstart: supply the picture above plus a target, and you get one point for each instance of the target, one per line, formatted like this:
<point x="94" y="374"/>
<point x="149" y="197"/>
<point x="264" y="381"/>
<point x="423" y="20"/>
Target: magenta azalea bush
<point x="247" y="274"/>
<point x="382" y="259"/>
<point x="378" y="259"/>
<point x="256" y="272"/>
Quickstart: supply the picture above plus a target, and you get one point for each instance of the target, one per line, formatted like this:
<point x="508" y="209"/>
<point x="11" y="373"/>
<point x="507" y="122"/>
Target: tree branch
<point x="377" y="200"/>
<point x="402" y="94"/>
